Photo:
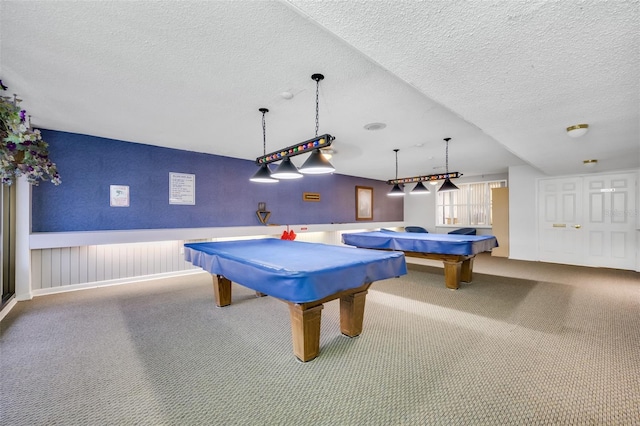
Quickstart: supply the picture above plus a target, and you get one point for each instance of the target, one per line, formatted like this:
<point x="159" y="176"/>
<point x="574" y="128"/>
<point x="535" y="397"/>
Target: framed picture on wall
<point x="364" y="203"/>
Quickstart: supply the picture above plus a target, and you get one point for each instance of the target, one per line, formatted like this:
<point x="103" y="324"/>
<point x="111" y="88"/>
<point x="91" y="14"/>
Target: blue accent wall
<point x="224" y="196"/>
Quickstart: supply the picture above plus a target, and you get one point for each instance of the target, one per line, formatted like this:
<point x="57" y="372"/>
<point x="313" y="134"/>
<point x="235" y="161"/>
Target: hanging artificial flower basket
<point x="22" y="150"/>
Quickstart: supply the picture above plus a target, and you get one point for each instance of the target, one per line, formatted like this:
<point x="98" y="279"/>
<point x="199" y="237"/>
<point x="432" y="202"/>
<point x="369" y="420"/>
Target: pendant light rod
<point x="396" y="151"/>
<point x="264" y="130"/>
<point x="263" y="175"/>
<point x="396" y="191"/>
<point x="446" y="158"/>
<point x="447" y="185"/>
<point x="317" y="78"/>
<point x="326" y="153"/>
<point x="317" y="164"/>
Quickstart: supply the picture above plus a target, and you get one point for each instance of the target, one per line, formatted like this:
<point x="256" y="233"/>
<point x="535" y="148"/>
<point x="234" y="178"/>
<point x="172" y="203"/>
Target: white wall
<point x="420" y="209"/>
<point x="637" y="214"/>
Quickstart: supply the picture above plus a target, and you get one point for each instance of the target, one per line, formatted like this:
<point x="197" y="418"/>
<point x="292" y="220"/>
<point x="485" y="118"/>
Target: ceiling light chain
<point x="318" y="163"/>
<point x="447" y="185"/>
<point x="263" y="175"/>
<point x="446" y="157"/>
<point x="264" y="131"/>
<point x="396" y="191"/>
<point x="396" y="151"/>
<point x="317" y="78"/>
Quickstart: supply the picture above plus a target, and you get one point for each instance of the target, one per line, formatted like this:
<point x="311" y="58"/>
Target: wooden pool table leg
<point x="305" y="330"/>
<point x="221" y="290"/>
<point x="305" y="320"/>
<point x="452" y="272"/>
<point x="352" y="313"/>
<point x="467" y="270"/>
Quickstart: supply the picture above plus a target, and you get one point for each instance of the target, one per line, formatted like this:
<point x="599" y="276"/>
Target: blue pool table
<point x="456" y="251"/>
<point x="304" y="275"/>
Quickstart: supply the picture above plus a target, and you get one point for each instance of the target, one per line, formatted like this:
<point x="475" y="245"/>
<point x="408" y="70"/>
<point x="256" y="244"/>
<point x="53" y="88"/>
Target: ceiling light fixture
<point x="432" y="179"/>
<point x="375" y="126"/>
<point x="590" y="163"/>
<point x="447" y="185"/>
<point x="316" y="164"/>
<point x="263" y="175"/>
<point x="396" y="191"/>
<point x="577" y="130"/>
<point x="420" y="189"/>
<point x="287" y="170"/>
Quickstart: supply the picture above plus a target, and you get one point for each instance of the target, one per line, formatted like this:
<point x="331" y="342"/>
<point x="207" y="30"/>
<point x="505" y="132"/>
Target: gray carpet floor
<point x="525" y="343"/>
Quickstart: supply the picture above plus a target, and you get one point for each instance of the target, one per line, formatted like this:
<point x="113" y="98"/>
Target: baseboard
<point x="7" y="307"/>
<point x="107" y="283"/>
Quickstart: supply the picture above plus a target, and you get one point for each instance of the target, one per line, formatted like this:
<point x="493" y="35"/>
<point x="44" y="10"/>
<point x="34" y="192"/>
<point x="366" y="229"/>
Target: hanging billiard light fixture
<point x="447" y="185"/>
<point x="317" y="164"/>
<point x="420" y="187"/>
<point x="396" y="191"/>
<point x="263" y="175"/>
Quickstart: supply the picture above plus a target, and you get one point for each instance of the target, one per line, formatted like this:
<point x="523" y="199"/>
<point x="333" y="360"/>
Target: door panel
<point x="612" y="217"/>
<point x="596" y="207"/>
<point x="596" y="243"/>
<point x="559" y="227"/>
<point x="588" y="220"/>
<point x="619" y="245"/>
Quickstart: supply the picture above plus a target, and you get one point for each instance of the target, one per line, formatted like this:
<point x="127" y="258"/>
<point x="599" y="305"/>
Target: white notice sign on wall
<point x="119" y="195"/>
<point x="182" y="189"/>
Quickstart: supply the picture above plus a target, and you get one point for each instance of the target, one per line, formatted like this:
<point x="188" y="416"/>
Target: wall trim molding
<point x="45" y="240"/>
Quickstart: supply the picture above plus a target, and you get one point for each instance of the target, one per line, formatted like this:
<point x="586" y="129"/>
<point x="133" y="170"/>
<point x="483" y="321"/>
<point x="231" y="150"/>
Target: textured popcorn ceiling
<point x="503" y="79"/>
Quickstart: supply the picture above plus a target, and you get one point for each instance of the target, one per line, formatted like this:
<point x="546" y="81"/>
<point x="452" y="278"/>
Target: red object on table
<point x="288" y="235"/>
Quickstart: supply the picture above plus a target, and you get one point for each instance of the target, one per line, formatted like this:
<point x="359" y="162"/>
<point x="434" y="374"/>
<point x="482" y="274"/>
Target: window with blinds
<point x="469" y="206"/>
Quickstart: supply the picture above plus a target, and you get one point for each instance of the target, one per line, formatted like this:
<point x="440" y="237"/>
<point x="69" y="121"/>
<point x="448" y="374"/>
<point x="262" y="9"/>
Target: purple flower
<point x="23" y="115"/>
<point x="11" y="146"/>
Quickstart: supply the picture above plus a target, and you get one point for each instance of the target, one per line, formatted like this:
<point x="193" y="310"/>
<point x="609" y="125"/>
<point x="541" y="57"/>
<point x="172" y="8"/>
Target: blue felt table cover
<point x="422" y="243"/>
<point x="295" y="271"/>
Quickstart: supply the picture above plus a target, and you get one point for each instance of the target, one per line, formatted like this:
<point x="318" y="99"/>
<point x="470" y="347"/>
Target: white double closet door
<point x="588" y="220"/>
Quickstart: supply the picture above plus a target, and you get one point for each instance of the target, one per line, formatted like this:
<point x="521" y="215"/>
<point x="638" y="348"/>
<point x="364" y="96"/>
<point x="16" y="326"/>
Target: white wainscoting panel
<point x="55" y="268"/>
